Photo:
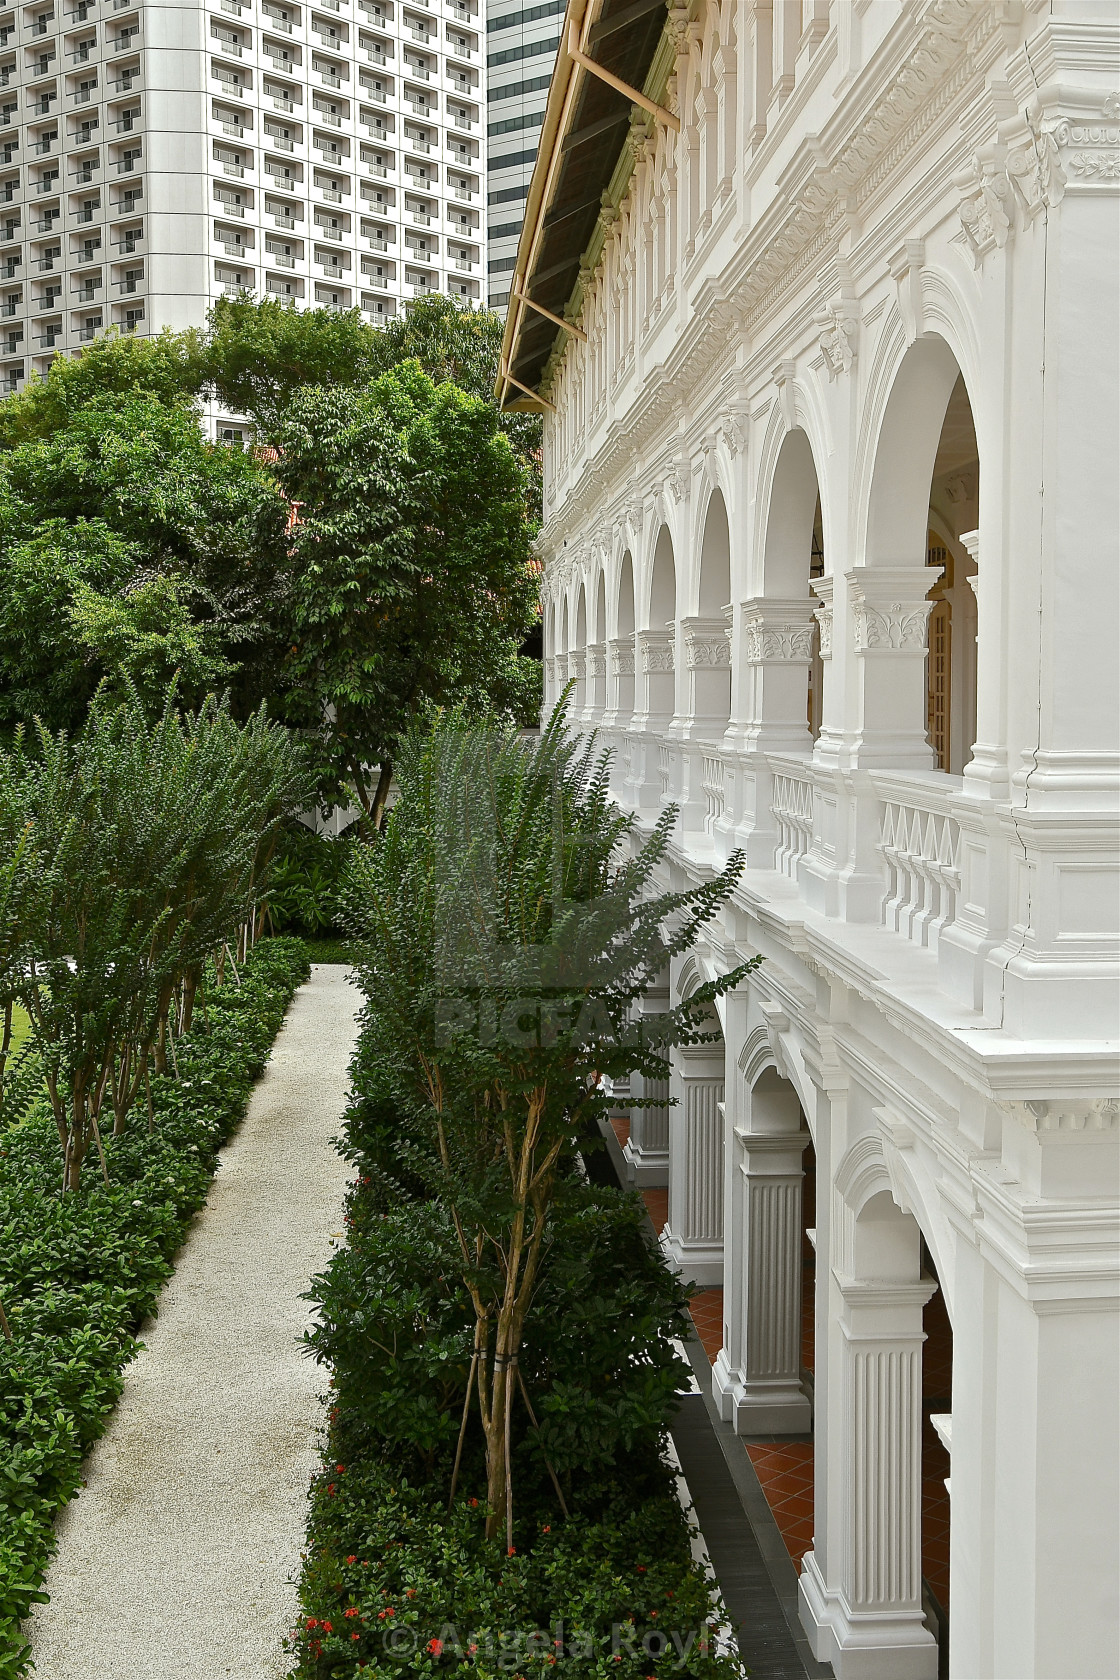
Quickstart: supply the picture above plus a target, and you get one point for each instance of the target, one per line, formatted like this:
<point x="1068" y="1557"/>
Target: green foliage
<point x="169" y="367"/>
<point x="400" y="1580"/>
<point x="151" y="844"/>
<point x="395" y="1585"/>
<point x="412" y="586"/>
<point x="79" y="1273"/>
<point x="511" y="919"/>
<point x="259" y="354"/>
<point x="134" y="548"/>
<point x="304" y="883"/>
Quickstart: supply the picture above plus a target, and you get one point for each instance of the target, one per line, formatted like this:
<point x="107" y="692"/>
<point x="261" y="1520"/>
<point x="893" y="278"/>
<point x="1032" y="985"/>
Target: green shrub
<point x="78" y="1273"/>
<point x="304" y="882"/>
<point x="397" y="1585"/>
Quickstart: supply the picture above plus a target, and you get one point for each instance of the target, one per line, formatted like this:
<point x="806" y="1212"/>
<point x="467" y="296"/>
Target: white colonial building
<point x="824" y="323"/>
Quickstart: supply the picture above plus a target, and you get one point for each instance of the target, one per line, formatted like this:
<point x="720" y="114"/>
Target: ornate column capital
<point x="778" y="630"/>
<point x="577" y="662"/>
<point x="707" y="643"/>
<point x="620" y="652"/>
<point x="823" y="588"/>
<point x="655" y="648"/>
<point x="596" y="659"/>
<point x="889" y="607"/>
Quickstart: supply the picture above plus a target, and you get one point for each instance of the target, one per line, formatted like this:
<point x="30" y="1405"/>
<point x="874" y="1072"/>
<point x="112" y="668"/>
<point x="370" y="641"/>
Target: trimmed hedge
<point x="78" y="1274"/>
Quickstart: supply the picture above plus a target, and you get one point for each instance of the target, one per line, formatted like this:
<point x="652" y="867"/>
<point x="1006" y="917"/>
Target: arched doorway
<point x="914" y="618"/>
<point x="620" y="662"/>
<point x="597" y="656"/>
<point x="707" y="646"/>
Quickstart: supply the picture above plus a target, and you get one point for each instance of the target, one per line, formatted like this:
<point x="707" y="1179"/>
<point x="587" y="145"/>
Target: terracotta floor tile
<point x="786" y="1475"/>
<point x="706" y="1308"/>
<point x="620" y="1125"/>
<point x="657" y="1206"/>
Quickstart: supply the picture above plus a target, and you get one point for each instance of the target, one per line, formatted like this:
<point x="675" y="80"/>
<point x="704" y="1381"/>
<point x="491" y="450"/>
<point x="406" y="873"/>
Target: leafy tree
<point x="152" y="841"/>
<point x="512" y="919"/>
<point x="168" y="367"/>
<point x="259" y="354"/>
<point x="132" y="545"/>
<point x="411" y="583"/>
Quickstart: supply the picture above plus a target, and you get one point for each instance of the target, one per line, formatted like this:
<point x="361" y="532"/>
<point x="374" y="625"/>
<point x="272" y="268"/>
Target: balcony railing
<point x="792" y="810"/>
<point x="920" y="844"/>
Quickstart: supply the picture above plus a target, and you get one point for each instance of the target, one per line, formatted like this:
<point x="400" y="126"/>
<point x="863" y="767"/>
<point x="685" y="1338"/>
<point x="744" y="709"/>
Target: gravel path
<point x="177" y="1560"/>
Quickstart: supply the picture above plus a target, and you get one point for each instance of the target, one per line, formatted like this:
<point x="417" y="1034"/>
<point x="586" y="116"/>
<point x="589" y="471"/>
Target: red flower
<point x="511" y="1551"/>
<point x="546" y="1529"/>
<point x="353" y="1558"/>
<point x="341" y="1468"/>
<point x="330" y="1491"/>
<point x="435" y="1646"/>
<point x="312" y="1622"/>
<point x="474" y="1504"/>
<point x="355" y="1636"/>
<point x="326" y="1627"/>
<point x="353" y="1611"/>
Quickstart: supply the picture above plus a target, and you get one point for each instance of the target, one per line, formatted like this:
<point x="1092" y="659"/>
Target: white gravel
<point x="178" y="1560"/>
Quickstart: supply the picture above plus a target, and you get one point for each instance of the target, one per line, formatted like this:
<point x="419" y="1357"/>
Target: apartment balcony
<point x="330" y="78"/>
<point x="8" y="266"/>
<point x="47" y="341"/>
<point x="280" y="258"/>
<point x="45" y="263"/>
<point x="279" y="103"/>
<point x="322" y="232"/>
<point x="130" y="284"/>
<point x="129" y="163"/>
<point x="87" y="333"/>
<point x="226" y="44"/>
<point x="283" y="221"/>
<point x="88" y="292"/>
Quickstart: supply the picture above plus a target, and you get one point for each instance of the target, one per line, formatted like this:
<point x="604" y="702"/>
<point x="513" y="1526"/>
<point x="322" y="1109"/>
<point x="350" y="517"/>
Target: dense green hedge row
<point x="398" y="1578"/>
<point x="79" y="1273"/>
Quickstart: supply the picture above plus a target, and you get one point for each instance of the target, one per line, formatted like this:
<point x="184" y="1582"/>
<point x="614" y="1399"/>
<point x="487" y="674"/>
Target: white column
<point x="653" y="711"/>
<point x="775" y="648"/>
<point x="757" y="1376"/>
<point x="596" y="682"/>
<point x="867" y="1619"/>
<point x="890" y="614"/>
<point x="693" y="1236"/>
<point x="647" y="1150"/>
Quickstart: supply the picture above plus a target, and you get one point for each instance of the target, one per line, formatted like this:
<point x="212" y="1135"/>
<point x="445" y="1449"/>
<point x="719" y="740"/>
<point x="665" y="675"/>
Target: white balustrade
<point x="792" y="810"/>
<point x="920" y="844"/>
<point x="715" y="773"/>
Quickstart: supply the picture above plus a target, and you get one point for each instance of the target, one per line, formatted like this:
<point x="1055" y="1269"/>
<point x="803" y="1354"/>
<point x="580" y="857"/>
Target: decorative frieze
<point x="1086" y="147"/>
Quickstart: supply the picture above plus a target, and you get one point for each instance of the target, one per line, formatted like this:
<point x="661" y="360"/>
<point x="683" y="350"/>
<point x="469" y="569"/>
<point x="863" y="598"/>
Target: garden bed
<point x="78" y="1274"/>
<point x="398" y="1579"/>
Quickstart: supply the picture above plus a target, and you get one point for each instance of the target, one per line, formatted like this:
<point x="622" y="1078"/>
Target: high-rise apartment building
<point x="154" y="156"/>
<point x="521" y="44"/>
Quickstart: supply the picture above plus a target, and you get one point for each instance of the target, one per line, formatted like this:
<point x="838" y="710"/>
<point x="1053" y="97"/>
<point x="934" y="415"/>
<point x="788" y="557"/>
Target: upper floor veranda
<point x="831" y="515"/>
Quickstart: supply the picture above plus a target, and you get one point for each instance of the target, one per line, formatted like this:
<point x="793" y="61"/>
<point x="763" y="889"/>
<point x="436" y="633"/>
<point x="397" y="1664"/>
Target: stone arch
<point x="624" y="597"/>
<point x="597" y="648"/>
<point x="620" y="649"/>
<point x="706" y="643"/>
<point x="911" y="594"/>
<point x="662" y="597"/>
